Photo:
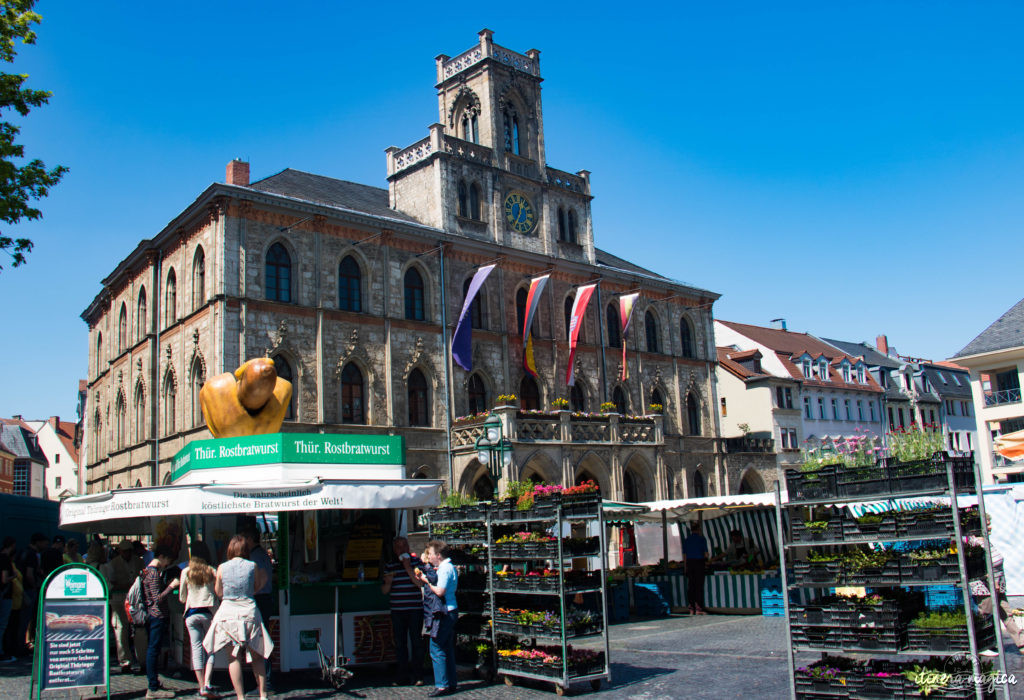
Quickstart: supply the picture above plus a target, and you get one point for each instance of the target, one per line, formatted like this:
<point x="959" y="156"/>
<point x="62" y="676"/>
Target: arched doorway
<point x="752" y="482"/>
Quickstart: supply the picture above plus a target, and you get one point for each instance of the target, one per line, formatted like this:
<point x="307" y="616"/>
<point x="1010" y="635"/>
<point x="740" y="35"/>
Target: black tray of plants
<point x="829" y="527"/>
<point x="943" y="630"/>
<point x="929" y="564"/>
<point x="929" y="521"/>
<point x="853" y="611"/>
<point x="581" y="505"/>
<point x="444" y="514"/>
<point x="467" y="555"/>
<point x="811" y="484"/>
<point x="870" y="526"/>
<point x="819" y="637"/>
<point x="577" y="580"/>
<point x="878" y="567"/>
<point x="868" y="480"/>
<point x="825" y="572"/>
<point x="526" y="550"/>
<point x="874" y="687"/>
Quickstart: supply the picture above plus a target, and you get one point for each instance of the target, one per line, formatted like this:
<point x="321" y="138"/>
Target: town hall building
<point x="354" y="291"/>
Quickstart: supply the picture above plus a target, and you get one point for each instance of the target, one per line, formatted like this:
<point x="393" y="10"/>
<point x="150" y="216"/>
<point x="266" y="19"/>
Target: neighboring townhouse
<point x="838" y="397"/>
<point x="57" y="441"/>
<point x="29" y="461"/>
<point x="995" y="360"/>
<point x="6" y="470"/>
<point x="759" y="408"/>
<point x="919" y="391"/>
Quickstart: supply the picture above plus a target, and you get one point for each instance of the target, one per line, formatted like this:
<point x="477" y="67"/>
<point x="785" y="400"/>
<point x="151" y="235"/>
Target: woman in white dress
<point x="238" y="623"/>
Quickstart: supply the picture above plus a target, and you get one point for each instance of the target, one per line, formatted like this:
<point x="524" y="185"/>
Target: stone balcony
<point x="564" y="428"/>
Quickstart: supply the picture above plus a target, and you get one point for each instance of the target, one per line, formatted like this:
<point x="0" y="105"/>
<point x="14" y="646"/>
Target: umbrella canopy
<point x="707" y="507"/>
<point x="1011" y="445"/>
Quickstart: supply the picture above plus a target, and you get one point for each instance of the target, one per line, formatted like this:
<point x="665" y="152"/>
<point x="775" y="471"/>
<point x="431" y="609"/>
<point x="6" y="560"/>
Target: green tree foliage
<point x="20" y="182"/>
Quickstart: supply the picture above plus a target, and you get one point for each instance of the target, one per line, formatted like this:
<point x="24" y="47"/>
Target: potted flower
<point x="656" y="409"/>
<point x="506" y="401"/>
<point x="560" y="404"/>
<point x="608" y="408"/>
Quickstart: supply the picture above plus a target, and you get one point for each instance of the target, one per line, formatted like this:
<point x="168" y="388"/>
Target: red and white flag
<point x="579" y="311"/>
<point x="626" y="304"/>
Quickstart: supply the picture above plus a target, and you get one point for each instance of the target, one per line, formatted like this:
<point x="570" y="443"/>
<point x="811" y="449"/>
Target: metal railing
<point x="996" y="398"/>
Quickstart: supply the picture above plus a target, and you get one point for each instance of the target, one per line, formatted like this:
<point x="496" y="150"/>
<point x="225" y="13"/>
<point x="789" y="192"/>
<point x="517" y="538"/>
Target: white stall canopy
<point x="128" y="510"/>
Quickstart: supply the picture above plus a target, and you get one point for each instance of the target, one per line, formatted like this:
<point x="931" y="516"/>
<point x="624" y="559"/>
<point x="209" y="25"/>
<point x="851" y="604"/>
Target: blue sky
<point x="855" y="168"/>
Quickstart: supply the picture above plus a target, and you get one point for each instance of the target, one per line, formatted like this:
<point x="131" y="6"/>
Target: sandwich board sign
<point x="72" y="631"/>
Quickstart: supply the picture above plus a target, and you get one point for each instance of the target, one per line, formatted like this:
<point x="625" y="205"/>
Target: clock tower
<point x="481" y="172"/>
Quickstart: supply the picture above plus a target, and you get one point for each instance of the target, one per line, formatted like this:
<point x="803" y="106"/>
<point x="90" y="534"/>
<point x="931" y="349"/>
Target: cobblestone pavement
<point x="679" y="657"/>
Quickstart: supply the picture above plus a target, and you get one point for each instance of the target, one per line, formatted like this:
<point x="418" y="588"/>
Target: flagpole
<point x="600" y="333"/>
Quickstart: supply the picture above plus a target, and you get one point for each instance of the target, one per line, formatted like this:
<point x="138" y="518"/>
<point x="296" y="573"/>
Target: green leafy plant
<point x="859" y="559"/>
<point x="456" y="500"/>
<point x="815" y="556"/>
<point x="656" y="408"/>
<point x="928" y="556"/>
<point x="515" y="489"/>
<point x="607" y="407"/>
<point x="914" y="444"/>
<point x="941" y="619"/>
<point x="928" y="680"/>
<point x="870" y="519"/>
<point x="816" y="525"/>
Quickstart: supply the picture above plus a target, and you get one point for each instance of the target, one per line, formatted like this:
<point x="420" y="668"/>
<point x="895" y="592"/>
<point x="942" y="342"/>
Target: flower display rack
<point x="538" y="577"/>
<point x="900" y="553"/>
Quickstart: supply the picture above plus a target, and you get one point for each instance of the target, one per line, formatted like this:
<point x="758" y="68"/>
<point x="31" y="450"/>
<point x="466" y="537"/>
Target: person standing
<point x="52" y="557"/>
<point x="121" y="572"/>
<point x="238" y="623"/>
<point x="406" y="612"/>
<point x="199" y="599"/>
<point x="7" y="578"/>
<point x="695" y="555"/>
<point x="264" y="596"/>
<point x="30" y="565"/>
<point x="154" y="595"/>
<point x="442" y="644"/>
<point x="97" y="555"/>
<point x="71" y="555"/>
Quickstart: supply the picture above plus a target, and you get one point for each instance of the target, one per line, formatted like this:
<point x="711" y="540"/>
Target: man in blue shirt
<point x="695" y="555"/>
<point x="442" y="645"/>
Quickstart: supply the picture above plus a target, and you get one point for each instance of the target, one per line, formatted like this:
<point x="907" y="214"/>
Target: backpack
<point x="135" y="603"/>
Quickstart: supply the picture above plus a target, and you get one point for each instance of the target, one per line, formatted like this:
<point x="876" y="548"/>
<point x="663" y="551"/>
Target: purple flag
<point x="462" y="340"/>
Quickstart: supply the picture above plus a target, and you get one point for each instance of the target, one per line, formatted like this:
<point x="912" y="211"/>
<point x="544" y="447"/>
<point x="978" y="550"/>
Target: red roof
<point x="951" y="365"/>
<point x="789" y="345"/>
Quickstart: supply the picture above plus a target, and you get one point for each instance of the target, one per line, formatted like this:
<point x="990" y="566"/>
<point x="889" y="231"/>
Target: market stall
<point x="335" y="501"/>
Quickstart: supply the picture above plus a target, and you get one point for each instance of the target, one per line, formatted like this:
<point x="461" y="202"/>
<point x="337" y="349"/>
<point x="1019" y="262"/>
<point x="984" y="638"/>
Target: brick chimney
<point x="238" y="173"/>
<point x="882" y="343"/>
<point x="54" y="423"/>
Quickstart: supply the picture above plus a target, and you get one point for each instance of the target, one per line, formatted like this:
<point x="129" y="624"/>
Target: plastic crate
<point x="773" y="611"/>
<point x="886" y="638"/>
<point x="862" y="481"/>
<point x="945" y="570"/>
<point x="950" y="639"/>
<point x="818" y="636"/>
<point x="811" y="486"/>
<point x="873" y="688"/>
<point x="889" y="573"/>
<point x="584" y="505"/>
<point x="886" y="527"/>
<point x="833" y="531"/>
<point x="943" y="597"/>
<point x="936" y="522"/>
<point x="819" y="573"/>
<point x="810" y="687"/>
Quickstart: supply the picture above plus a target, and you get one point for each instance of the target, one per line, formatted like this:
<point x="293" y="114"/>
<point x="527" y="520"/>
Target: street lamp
<point x="493" y="450"/>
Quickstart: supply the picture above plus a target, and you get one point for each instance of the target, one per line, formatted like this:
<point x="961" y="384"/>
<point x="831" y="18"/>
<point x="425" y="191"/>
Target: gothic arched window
<point x="630" y="487"/>
<point x="699" y="488"/>
<point x="353" y="407"/>
<point x="570" y="234"/>
<point x="198" y="278"/>
<point x="418" y="395"/>
<point x="463" y="199"/>
<point x="350" y="279"/>
<point x="474" y="201"/>
<point x="139" y="413"/>
<point x="414" y="307"/>
<point x="140" y="316"/>
<point x="99" y="352"/>
<point x="195" y="381"/>
<point x="692" y="415"/>
<point x="476" y="309"/>
<point x="470" y="127"/>
<point x="170" y="408"/>
<point x="562" y="225"/>
<point x="279" y="274"/>
<point x="284" y="371"/>
<point x="568" y="319"/>
<point x="477" y="393"/>
<point x="619" y="399"/>
<point x="171" y="298"/>
<point x="614" y="332"/>
<point x="651" y="329"/>
<point x="529" y="394"/>
<point x="521" y="296"/>
<point x="686" y="337"/>
<point x="122" y="328"/>
<point x="120" y="419"/>
<point x="576" y="398"/>
<point x="512" y="135"/>
<point x="656" y="398"/>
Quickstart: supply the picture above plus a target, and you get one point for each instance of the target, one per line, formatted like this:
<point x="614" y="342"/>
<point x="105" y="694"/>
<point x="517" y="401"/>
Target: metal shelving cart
<point x="942" y="476"/>
<point x="593" y="582"/>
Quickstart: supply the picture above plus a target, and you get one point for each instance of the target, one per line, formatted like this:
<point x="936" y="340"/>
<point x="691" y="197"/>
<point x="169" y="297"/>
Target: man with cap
<point x="121" y="572"/>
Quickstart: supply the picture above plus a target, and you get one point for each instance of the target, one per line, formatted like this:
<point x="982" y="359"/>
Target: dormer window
<point x="823" y="369"/>
<point x="807" y="368"/>
<point x="846" y="373"/>
<point x="860" y="374"/>
<point x="883" y="377"/>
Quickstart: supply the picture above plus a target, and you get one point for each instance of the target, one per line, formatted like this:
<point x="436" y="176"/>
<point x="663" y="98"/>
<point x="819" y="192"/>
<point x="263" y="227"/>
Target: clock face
<point x="519" y="212"/>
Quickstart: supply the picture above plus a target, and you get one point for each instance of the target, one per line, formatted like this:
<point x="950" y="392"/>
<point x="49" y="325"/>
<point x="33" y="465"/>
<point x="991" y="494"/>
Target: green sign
<point x="293" y="448"/>
<point x="308" y="639"/>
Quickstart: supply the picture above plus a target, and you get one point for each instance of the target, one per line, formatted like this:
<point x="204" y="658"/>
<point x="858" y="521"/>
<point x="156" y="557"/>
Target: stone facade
<point x="443" y="216"/>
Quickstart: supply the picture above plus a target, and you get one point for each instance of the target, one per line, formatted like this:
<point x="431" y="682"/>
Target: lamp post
<point x="493" y="450"/>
